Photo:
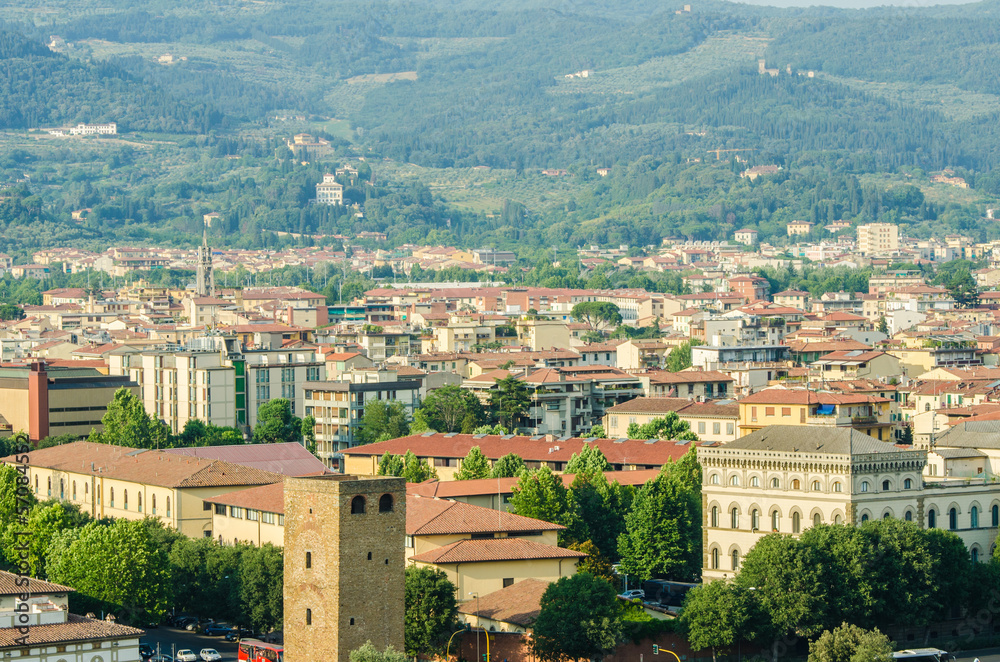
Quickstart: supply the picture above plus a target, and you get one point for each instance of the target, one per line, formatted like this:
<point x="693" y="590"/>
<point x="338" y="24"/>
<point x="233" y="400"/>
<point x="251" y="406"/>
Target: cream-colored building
<point x="329" y="191"/>
<point x="786" y="479"/>
<point x="797" y="228"/>
<point x="878" y="238"/>
<point x="710" y="421"/>
<point x="539" y="334"/>
<point x="114" y="481"/>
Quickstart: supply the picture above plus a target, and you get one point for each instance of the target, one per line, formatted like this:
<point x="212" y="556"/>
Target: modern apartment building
<point x="878" y="238"/>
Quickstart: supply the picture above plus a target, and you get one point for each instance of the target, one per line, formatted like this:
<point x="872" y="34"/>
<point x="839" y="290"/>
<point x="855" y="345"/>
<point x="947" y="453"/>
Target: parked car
<point x="162" y="657"/>
<point x="634" y="594"/>
<point x="209" y="655"/>
<point x="146" y="651"/>
<point x="213" y="629"/>
<point x="186" y="655"/>
<point x="182" y="621"/>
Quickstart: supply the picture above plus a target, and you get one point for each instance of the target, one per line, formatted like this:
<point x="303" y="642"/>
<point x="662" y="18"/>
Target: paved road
<point x="183" y="639"/>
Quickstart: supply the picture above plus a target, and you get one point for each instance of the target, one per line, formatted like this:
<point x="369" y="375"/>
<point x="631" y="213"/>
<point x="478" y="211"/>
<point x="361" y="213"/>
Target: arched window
<point x="74" y="490"/>
<point x="736" y="560"/>
<point x="931" y="519"/>
<point x="125" y="498"/>
<point x="952" y="519"/>
<point x="886" y="515"/>
<point x="50" y="486"/>
<point x="865" y="485"/>
<point x="168" y="506"/>
<point x="975" y="555"/>
<point x="908" y="484"/>
<point x="309" y="616"/>
<point x="735" y="518"/>
<point x="154" y="504"/>
<point x="996" y="515"/>
<point x="836" y="519"/>
<point x="86" y="490"/>
<point x="816" y="486"/>
<point x="138" y="502"/>
<point x="974" y="517"/>
<point x="775" y="483"/>
<point x="864" y="518"/>
<point x="385" y="503"/>
<point x="36" y="484"/>
<point x="796" y="485"/>
<point x="755" y="519"/>
<point x="885" y="486"/>
<point x="62" y="488"/>
<point x="111" y="501"/>
<point x="715" y="479"/>
<point x="908" y="516"/>
<point x="754" y="481"/>
<point x="358" y="505"/>
<point x="714" y="522"/>
<point x="817" y="519"/>
<point x="796" y="522"/>
<point x="734" y="480"/>
<point x="715" y="559"/>
<point x="838" y="487"/>
<point x="775" y="520"/>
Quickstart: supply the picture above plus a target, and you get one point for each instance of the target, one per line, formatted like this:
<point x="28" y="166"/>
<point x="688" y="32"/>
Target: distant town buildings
<point x="878" y="238"/>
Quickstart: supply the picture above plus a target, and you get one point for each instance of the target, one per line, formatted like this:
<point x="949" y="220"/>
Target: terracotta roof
<point x="425" y="517"/>
<point x="452" y="489"/>
<point x="519" y="603"/>
<point x="852" y="356"/>
<point x="148" y="467"/>
<point x="530" y="449"/>
<point x="826" y="346"/>
<point x="269" y="498"/>
<point x="682" y="406"/>
<point x="288" y="459"/>
<point x="800" y="396"/>
<point x="76" y="628"/>
<point x="495" y="549"/>
<point x="8" y="585"/>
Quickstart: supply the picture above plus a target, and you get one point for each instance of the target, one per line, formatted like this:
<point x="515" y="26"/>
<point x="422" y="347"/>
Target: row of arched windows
<point x="815" y="486"/>
<point x="111" y="495"/>
<point x="775" y="519"/>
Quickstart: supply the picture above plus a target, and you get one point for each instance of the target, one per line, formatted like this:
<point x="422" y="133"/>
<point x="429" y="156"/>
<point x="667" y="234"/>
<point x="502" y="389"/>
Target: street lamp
<point x="478" y="624"/>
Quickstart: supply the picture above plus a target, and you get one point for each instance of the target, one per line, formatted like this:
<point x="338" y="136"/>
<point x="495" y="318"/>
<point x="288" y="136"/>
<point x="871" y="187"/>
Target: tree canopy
<point x="430" y="611"/>
<point x="383" y="420"/>
<point x="598" y="315"/>
<point x="126" y="423"/>
<point x="578" y="620"/>
<point x="276" y="423"/>
<point x="474" y="465"/>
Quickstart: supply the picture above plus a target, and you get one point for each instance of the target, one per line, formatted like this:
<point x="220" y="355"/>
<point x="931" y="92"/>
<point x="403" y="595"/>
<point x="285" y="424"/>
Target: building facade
<point x="878" y="238"/>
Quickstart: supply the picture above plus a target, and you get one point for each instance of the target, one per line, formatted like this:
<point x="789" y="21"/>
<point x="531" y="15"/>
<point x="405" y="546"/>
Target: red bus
<point x="254" y="650"/>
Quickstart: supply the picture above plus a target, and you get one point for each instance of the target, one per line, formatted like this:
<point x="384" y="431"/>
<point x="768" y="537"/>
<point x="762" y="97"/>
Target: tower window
<point x="352" y="621"/>
<point x="369" y="556"/>
<point x="309" y="616"/>
<point x="358" y="505"/>
<point x="309" y="559"/>
<point x="385" y="503"/>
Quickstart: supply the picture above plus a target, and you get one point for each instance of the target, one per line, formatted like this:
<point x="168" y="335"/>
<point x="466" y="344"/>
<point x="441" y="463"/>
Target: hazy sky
<point x="854" y="4"/>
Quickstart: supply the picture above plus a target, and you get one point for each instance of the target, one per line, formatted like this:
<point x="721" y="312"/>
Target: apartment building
<point x="878" y="238"/>
<point x="711" y="421"/>
<point x="869" y="414"/>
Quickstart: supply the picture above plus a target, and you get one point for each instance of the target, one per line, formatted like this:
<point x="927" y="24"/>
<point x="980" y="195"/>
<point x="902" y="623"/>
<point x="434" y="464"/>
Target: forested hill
<point x="41" y="88"/>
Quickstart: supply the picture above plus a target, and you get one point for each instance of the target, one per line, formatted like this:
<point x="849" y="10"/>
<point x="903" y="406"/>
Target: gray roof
<point x="955" y="453"/>
<point x="970" y="434"/>
<point x="811" y="439"/>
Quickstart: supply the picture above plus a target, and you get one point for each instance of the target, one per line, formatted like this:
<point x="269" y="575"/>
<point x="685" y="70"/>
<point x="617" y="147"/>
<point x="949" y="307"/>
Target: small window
<point x="775" y="483"/>
<point x="837" y="487"/>
<point x="952" y="519"/>
<point x="974" y="517"/>
<point x="139" y="502"/>
<point x="715" y="559"/>
<point x="309" y="616"/>
<point x="796" y="485"/>
<point x="309" y="559"/>
<point x="352" y="621"/>
<point x="975" y="555"/>
<point x="837" y="520"/>
<point x="715" y="479"/>
<point x="817" y="519"/>
<point x="714" y="521"/>
<point x="358" y="505"/>
<point x="168" y="506"/>
<point x="734" y="518"/>
<point x="885" y="486"/>
<point x="74" y="490"/>
<point x="865" y="485"/>
<point x="125" y="499"/>
<point x="996" y="515"/>
<point x="754" y="482"/>
<point x="736" y="560"/>
<point x="908" y="484"/>
<point x="931" y="519"/>
<point x="864" y="518"/>
<point x="755" y="519"/>
<point x="769" y="411"/>
<point x="369" y="556"/>
<point x="734" y="480"/>
<point x="796" y="522"/>
<point x="385" y="503"/>
<point x="508" y="581"/>
<point x="816" y="486"/>
<point x="908" y="516"/>
<point x="786" y="412"/>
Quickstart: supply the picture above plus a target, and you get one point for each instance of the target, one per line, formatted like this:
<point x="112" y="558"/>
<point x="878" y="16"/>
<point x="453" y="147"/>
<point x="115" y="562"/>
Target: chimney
<point x="549" y="438"/>
<point x="38" y="402"/>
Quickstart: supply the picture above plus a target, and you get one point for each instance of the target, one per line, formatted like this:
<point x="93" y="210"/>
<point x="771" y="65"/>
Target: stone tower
<point x="344" y="565"/>
<point x="205" y="277"/>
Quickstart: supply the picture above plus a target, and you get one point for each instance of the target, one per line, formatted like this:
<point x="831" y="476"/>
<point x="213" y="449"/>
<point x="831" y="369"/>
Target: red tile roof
<point x="454" y="489"/>
<point x="688" y="376"/>
<point x="428" y="517"/>
<point x="798" y="396"/>
<point x="495" y="549"/>
<point x="76" y="628"/>
<point x="530" y="449"/>
<point x="269" y="498"/>
<point x="288" y="459"/>
<point x="520" y="603"/>
<point x="682" y="406"/>
<point x="9" y="585"/>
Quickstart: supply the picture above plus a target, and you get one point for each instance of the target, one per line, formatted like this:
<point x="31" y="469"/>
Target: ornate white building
<point x="786" y="478"/>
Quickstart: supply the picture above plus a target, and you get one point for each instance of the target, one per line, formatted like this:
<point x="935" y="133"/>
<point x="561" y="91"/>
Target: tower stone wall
<point x="344" y="565"/>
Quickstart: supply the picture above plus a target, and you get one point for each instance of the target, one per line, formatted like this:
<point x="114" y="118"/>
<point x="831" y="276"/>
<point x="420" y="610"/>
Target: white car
<point x="209" y="655"/>
<point x="634" y="594"/>
<point x="186" y="655"/>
